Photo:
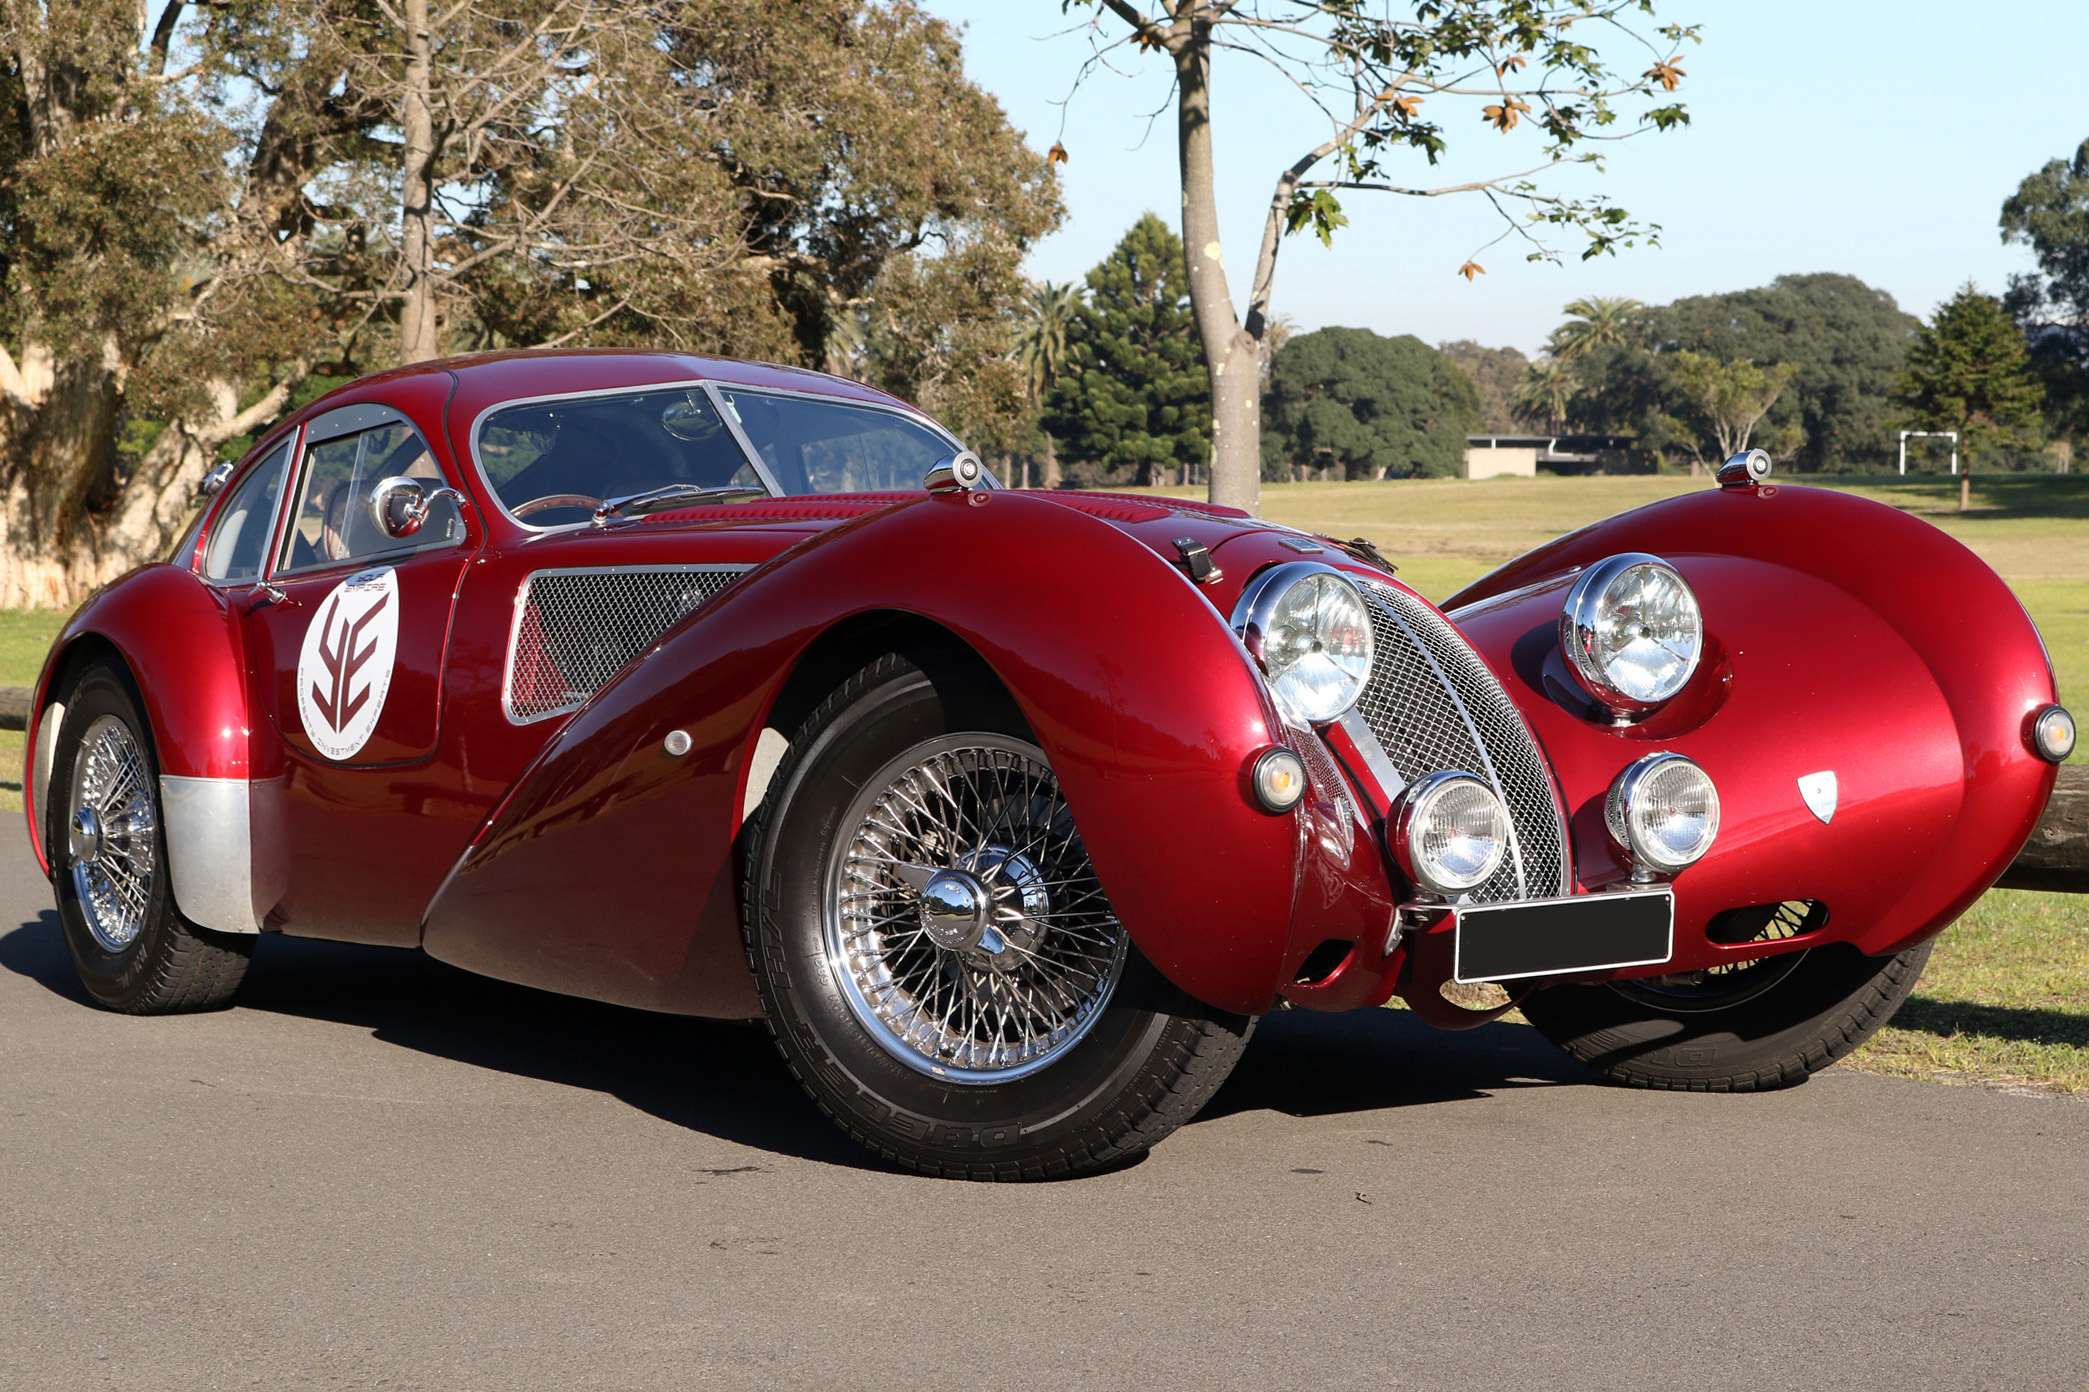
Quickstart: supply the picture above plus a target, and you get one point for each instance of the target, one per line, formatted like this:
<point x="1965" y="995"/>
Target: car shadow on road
<point x="724" y="1078"/>
<point x="1303" y="1063"/>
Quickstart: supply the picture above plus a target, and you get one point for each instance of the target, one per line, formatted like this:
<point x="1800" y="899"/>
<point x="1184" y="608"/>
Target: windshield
<point x="552" y="462"/>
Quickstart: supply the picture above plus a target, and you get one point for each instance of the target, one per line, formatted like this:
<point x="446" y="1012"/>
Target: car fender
<point x="1843" y="636"/>
<point x="181" y="643"/>
<point x="609" y="870"/>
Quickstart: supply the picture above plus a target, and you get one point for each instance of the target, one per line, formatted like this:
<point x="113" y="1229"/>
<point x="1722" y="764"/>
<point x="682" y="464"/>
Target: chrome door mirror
<point x="214" y="481"/>
<point x="400" y="505"/>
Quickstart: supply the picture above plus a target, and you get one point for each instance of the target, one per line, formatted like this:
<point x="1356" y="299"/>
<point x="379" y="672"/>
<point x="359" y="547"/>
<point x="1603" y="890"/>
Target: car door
<point x="345" y="642"/>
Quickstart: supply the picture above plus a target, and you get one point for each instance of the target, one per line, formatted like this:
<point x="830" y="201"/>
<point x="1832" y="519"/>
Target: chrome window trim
<point x="319" y="431"/>
<point x="522" y="591"/>
<point x="713" y="389"/>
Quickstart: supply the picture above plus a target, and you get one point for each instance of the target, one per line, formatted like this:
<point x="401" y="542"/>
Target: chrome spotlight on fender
<point x="1664" y="811"/>
<point x="955" y="473"/>
<point x="1745" y="470"/>
<point x="1449" y="832"/>
<point x="1632" y="632"/>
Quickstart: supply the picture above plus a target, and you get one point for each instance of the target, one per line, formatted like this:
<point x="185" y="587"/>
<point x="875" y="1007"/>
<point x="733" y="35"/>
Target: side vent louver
<point x="575" y="629"/>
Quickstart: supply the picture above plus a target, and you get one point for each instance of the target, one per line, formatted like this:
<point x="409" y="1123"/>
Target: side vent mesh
<point x="575" y="629"/>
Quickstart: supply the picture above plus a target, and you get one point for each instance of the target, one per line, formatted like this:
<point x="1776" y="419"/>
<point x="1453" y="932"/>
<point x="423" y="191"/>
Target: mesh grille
<point x="575" y="629"/>
<point x="1434" y="705"/>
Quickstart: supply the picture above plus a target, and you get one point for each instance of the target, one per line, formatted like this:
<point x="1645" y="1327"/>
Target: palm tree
<point x="1596" y="322"/>
<point x="1040" y="345"/>
<point x="1547" y="386"/>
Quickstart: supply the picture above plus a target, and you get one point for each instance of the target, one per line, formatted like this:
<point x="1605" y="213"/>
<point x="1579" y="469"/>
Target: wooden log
<point x="2056" y="858"/>
<point x="2057" y="855"/>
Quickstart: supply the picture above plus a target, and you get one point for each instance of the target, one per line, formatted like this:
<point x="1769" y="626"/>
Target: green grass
<point x="25" y="636"/>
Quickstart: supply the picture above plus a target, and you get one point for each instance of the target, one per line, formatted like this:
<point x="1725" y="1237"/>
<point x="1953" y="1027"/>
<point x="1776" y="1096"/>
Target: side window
<point x="239" y="534"/>
<point x="334" y="521"/>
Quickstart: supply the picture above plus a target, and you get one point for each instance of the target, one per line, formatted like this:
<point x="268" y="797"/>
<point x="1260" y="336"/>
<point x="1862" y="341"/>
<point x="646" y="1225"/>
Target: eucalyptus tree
<point x="1539" y="74"/>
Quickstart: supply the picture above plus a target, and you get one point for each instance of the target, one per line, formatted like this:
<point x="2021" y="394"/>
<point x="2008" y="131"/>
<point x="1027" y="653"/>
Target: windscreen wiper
<point x="673" y="496"/>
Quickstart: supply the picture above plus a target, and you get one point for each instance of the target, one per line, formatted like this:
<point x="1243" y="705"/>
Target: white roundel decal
<point x="345" y="667"/>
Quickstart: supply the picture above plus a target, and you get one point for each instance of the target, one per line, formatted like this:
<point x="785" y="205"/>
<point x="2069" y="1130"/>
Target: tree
<point x="1494" y="373"/>
<point x="1543" y="394"/>
<point x="1727" y="397"/>
<point x="1529" y="64"/>
<point x="1041" y="348"/>
<point x="1969" y="371"/>
<point x="2049" y="212"/>
<point x="1597" y="322"/>
<point x="1132" y="405"/>
<point x="1367" y="406"/>
<point x="198" y="212"/>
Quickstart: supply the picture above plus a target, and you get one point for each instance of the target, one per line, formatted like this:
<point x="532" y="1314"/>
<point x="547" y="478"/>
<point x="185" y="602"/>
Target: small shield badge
<point x="1819" y="791"/>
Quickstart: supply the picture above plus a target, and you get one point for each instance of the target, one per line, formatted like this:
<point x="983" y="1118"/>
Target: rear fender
<point x="180" y="642"/>
<point x="1136" y="690"/>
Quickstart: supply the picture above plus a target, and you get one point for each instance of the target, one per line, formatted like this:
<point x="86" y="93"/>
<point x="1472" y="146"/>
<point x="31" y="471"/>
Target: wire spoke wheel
<point x="112" y="833"/>
<point x="963" y="921"/>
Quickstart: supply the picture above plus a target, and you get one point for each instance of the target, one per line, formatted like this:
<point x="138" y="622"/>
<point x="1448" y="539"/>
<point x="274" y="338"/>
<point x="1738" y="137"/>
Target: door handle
<point x="265" y="593"/>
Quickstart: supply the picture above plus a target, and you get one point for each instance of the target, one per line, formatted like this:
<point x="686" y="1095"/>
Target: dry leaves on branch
<point x="1667" y="72"/>
<point x="1471" y="269"/>
<point x="1505" y="116"/>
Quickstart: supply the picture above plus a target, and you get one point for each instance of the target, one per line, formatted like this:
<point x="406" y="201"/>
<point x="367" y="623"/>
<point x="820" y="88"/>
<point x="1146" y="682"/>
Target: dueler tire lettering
<point x="1824" y="1005"/>
<point x="1148" y="1060"/>
<point x="170" y="965"/>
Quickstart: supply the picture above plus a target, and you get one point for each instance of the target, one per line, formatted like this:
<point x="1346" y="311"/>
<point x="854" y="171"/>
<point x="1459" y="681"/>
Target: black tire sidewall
<point x="121" y="978"/>
<point x="845" y="1068"/>
<point x="1830" y="1002"/>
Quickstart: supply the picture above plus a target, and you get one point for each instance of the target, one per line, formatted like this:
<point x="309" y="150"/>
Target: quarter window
<point x="239" y="535"/>
<point x="334" y="521"/>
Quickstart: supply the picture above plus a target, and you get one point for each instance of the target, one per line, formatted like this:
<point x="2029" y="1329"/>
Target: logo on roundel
<point x="345" y="666"/>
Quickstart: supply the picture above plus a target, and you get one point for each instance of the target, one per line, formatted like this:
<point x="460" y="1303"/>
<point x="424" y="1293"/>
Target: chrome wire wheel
<point x="112" y="833"/>
<point x="963" y="922"/>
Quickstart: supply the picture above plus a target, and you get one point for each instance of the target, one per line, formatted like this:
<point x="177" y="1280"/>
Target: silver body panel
<point x="210" y="850"/>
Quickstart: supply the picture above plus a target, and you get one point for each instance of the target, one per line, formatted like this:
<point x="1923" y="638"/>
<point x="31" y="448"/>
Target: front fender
<point x="1842" y="636"/>
<point x="1134" y="687"/>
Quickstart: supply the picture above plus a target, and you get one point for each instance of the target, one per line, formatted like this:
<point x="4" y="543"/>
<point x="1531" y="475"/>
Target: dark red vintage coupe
<point x="736" y="690"/>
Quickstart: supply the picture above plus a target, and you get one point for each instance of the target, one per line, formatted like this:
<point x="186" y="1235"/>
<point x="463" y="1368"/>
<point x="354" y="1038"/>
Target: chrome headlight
<point x="1449" y="832"/>
<point x="1664" y="811"/>
<point x="1308" y="628"/>
<point x="1632" y="631"/>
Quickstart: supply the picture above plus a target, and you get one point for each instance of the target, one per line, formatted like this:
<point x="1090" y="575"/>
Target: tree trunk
<point x="417" y="335"/>
<point x="1965" y="492"/>
<point x="1052" y="477"/>
<point x="1234" y="357"/>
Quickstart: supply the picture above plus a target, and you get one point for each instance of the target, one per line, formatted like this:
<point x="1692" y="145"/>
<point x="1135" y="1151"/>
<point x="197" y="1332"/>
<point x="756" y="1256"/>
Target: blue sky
<point x="1863" y="136"/>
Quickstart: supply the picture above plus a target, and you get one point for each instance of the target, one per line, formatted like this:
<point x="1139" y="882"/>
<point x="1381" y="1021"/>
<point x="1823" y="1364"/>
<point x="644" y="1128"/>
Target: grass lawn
<point x="2006" y="998"/>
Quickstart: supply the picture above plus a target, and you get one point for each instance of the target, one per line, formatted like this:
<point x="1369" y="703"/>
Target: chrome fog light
<point x="1664" y="811"/>
<point x="1449" y="831"/>
<point x="2053" y="734"/>
<point x="1632" y="631"/>
<point x="1310" y="631"/>
<point x="1279" y="778"/>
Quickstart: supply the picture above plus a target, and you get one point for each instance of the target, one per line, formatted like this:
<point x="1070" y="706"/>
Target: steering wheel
<point x="553" y="500"/>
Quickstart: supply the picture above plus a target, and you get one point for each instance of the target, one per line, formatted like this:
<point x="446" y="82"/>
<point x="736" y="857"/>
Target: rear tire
<point x="131" y="946"/>
<point x="1017" y="1034"/>
<point x="1771" y="1024"/>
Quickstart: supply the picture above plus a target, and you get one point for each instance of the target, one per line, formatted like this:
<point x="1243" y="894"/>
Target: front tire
<point x="939" y="966"/>
<point x="108" y="853"/>
<point x="1767" y="1024"/>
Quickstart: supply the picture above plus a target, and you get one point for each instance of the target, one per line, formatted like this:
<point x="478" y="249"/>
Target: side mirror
<point x="954" y="473"/>
<point x="214" y="481"/>
<point x="400" y="505"/>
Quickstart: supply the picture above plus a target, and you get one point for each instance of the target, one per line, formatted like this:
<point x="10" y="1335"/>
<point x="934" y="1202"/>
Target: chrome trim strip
<point x="1479" y="741"/>
<point x="521" y="602"/>
<point x="739" y="432"/>
<point x="1377" y="762"/>
<point x="210" y="851"/>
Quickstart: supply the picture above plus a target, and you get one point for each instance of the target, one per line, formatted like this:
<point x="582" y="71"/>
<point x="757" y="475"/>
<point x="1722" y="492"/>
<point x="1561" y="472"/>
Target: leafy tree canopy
<point x="1494" y="373"/>
<point x="1368" y="405"/>
<point x="1969" y="371"/>
<point x="1133" y="398"/>
<point x="2049" y="212"/>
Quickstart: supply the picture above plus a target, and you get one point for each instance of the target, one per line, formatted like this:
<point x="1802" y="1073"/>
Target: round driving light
<point x="1310" y="631"/>
<point x="2052" y="734"/>
<point x="1280" y="779"/>
<point x="1449" y="832"/>
<point x="1664" y="811"/>
<point x="1632" y="631"/>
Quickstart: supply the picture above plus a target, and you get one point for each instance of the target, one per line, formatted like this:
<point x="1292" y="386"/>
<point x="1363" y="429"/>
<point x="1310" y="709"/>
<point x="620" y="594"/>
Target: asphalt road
<point x="380" y="1172"/>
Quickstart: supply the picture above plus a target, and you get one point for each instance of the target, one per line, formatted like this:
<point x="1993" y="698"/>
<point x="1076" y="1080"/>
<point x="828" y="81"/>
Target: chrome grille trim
<point x="587" y="623"/>
<point x="1432" y="704"/>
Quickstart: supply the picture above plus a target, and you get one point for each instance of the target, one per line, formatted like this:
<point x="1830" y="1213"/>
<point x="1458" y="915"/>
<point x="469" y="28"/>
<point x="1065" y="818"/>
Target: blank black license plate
<point x="1589" y="932"/>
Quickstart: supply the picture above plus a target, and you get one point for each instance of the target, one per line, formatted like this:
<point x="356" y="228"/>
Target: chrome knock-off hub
<point x="85" y="840"/>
